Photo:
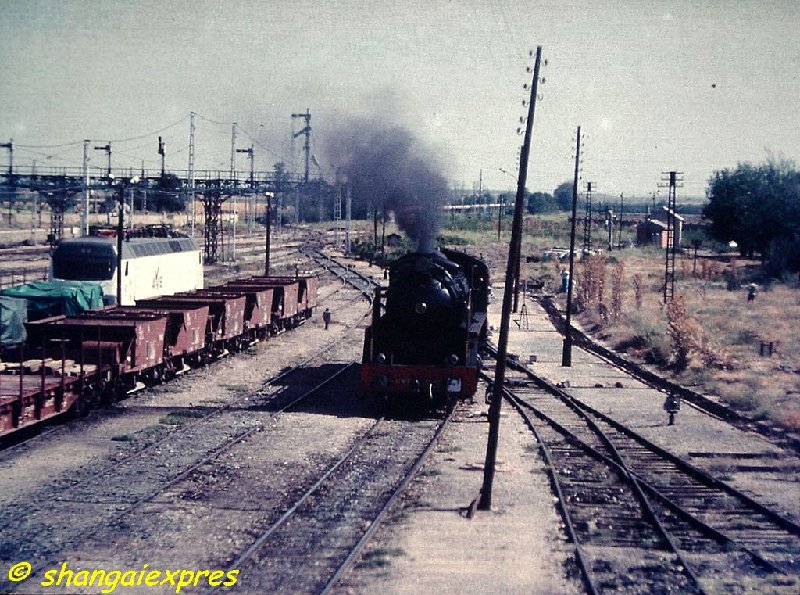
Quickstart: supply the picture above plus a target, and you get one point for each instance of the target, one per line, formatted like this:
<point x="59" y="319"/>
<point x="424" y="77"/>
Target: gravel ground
<point x="745" y="459"/>
<point x="112" y="490"/>
<point x="430" y="546"/>
<point x="205" y="518"/>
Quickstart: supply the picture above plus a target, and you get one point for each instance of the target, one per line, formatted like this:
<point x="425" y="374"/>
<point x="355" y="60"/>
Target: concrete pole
<point x="85" y="213"/>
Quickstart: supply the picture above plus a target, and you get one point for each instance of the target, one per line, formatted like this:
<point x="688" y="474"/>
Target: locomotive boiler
<point x="428" y="329"/>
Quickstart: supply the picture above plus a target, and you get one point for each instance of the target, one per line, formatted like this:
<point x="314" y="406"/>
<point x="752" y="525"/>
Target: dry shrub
<point x="734" y="280"/>
<point x="593" y="272"/>
<point x="646" y="339"/>
<point x="710" y="270"/>
<point x="688" y="339"/>
<point x="617" y="278"/>
<point x="591" y="290"/>
<point x="791" y="419"/>
<point x="637" y="290"/>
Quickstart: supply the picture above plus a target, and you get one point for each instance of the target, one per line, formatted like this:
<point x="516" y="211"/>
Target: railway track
<point x="694" y="399"/>
<point x="642" y="520"/>
<point x="349" y="275"/>
<point x="156" y="465"/>
<point x="165" y="469"/>
<point x="323" y="530"/>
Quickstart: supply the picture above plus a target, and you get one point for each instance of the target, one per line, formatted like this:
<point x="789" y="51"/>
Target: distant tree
<point x="758" y="207"/>
<point x="563" y="196"/>
<point x="166" y="195"/>
<point x="541" y="202"/>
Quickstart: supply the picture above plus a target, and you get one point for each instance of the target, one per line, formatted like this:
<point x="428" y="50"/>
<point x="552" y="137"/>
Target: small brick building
<point x="653" y="232"/>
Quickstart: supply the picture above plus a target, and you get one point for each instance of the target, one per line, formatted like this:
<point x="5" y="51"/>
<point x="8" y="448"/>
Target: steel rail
<point x="687" y="516"/>
<point x="549" y="460"/>
<point x="376" y="522"/>
<point x="232" y="441"/>
<point x="682" y="466"/>
<point x="293" y="508"/>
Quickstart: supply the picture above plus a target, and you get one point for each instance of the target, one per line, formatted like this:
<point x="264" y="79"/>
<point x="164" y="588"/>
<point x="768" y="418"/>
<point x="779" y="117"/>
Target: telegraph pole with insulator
<point x="485" y="499"/>
<point x="518" y="249"/>
<point x="233" y="184"/>
<point x="191" y="168"/>
<point x="566" y="353"/>
<point x="587" y="221"/>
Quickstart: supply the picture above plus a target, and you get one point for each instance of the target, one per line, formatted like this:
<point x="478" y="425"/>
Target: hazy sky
<point x="686" y="85"/>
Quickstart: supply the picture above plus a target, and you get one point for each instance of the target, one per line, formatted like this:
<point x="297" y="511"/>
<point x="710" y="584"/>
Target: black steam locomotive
<point x="428" y="328"/>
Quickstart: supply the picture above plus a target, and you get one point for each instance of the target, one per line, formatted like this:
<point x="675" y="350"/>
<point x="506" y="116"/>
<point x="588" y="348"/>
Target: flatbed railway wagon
<point x="74" y="362"/>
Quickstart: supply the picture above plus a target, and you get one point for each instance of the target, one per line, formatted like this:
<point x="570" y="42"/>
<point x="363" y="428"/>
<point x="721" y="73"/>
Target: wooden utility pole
<point x="485" y="502"/>
<point x="566" y="354"/>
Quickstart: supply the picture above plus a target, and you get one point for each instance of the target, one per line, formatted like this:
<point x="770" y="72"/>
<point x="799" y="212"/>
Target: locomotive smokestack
<point x="389" y="169"/>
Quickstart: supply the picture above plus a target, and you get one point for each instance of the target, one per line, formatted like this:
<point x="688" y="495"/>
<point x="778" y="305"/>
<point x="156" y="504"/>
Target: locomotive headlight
<point x="453" y="359"/>
<point x="421" y="308"/>
<point x="381" y="359"/>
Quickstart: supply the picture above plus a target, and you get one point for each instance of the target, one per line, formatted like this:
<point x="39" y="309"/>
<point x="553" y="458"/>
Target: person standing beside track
<point x="326" y="318"/>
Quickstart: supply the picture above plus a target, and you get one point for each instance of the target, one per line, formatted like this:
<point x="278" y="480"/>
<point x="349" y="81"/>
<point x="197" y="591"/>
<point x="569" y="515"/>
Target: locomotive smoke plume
<point x="388" y="168"/>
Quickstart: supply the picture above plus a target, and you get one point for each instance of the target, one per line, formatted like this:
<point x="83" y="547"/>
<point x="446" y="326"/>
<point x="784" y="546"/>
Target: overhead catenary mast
<point x="232" y="178"/>
<point x="85" y="211"/>
<point x="306" y="130"/>
<point x="191" y="168"/>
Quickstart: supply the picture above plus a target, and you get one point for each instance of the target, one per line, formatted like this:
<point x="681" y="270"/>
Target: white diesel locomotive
<point x="150" y="266"/>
